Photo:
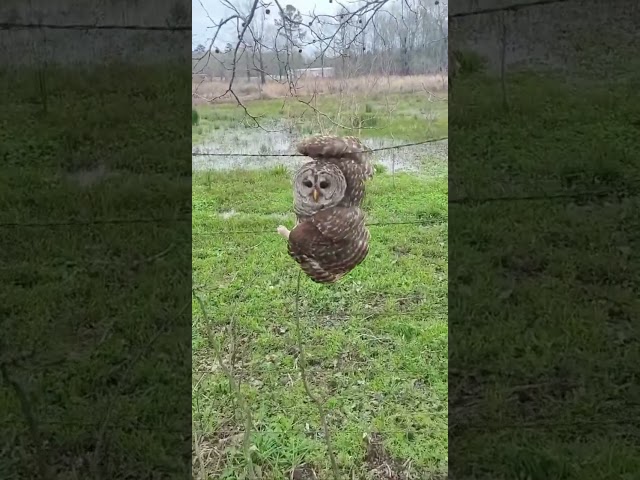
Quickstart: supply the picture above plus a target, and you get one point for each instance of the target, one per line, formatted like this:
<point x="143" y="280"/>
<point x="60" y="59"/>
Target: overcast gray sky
<point x="217" y="11"/>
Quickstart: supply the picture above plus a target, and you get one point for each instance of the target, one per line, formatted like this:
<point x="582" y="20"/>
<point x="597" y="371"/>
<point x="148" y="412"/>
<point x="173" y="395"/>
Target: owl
<point x="329" y="244"/>
<point x="335" y="178"/>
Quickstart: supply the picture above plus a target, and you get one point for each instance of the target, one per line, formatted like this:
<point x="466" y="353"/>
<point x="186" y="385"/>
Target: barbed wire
<point x="393" y="147"/>
<point x="133" y="264"/>
<point x="95" y="222"/>
<point x="124" y="221"/>
<point x="271" y="230"/>
<point x="90" y="26"/>
<point x="584" y="195"/>
<point x="513" y="8"/>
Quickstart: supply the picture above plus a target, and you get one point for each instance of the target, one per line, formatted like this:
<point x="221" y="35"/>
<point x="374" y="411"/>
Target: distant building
<point x="315" y="72"/>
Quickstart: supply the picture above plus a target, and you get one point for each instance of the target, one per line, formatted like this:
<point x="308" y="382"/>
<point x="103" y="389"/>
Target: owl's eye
<point x="324" y="184"/>
<point x="307" y="183"/>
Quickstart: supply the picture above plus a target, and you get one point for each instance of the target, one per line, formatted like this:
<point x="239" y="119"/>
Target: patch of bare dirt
<point x="381" y="465"/>
<point x="209" y="450"/>
<point x="523" y="266"/>
<point x="303" y="472"/>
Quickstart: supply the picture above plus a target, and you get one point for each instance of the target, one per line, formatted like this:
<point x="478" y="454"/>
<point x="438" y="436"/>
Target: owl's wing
<point x="323" y="146"/>
<point x="355" y="145"/>
<point x="320" y="146"/>
<point x="355" y="174"/>
<point x="354" y="169"/>
<point x="334" y="149"/>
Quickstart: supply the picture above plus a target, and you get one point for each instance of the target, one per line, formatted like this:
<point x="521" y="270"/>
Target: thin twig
<point x="235" y="387"/>
<point x="503" y="59"/>
<point x="27" y="412"/>
<point x="100" y="436"/>
<point x="303" y="374"/>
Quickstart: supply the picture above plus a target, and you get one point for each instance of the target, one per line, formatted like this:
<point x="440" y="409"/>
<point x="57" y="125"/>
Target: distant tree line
<point x="393" y="37"/>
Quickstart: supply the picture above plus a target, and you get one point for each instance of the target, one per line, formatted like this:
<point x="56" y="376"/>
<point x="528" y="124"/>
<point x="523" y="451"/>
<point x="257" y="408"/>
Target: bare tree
<point x="292" y="32"/>
<point x="370" y="37"/>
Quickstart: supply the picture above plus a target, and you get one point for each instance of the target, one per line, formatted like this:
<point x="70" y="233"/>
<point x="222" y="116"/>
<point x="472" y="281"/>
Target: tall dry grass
<point x="206" y="90"/>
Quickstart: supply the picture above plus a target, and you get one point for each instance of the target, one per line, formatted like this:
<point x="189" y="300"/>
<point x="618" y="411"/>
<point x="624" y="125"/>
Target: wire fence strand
<point x="373" y="150"/>
<point x="584" y="195"/>
<point x="579" y="196"/>
<point x="89" y="26"/>
<point x="273" y="229"/>
<point x="512" y="8"/>
<point x="96" y="222"/>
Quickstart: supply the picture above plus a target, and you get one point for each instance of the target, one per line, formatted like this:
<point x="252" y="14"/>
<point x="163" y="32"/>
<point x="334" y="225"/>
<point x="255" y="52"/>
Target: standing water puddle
<point x="226" y="144"/>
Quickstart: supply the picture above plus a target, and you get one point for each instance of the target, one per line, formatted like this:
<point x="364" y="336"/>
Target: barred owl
<point x="335" y="178"/>
<point x="329" y="244"/>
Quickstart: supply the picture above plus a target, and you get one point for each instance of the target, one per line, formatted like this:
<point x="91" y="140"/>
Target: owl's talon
<point x="284" y="231"/>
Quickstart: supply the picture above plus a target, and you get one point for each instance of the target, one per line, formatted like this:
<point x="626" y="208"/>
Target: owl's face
<point x="318" y="186"/>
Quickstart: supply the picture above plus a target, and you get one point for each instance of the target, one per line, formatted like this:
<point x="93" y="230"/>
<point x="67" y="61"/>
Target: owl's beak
<point x="316" y="194"/>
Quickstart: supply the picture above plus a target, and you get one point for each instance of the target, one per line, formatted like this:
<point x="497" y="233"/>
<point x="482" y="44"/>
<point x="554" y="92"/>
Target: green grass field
<point x="90" y="331"/>
<point x="544" y="300"/>
<point x="375" y="344"/>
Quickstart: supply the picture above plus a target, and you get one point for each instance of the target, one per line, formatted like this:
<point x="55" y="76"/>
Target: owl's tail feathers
<point x="328" y="280"/>
<point x="319" y="275"/>
<point x="315" y="272"/>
